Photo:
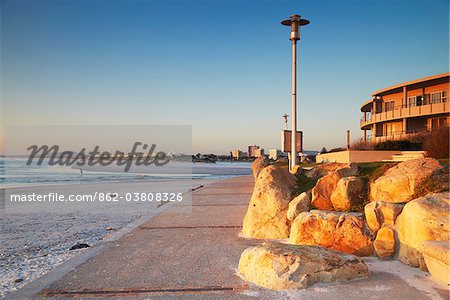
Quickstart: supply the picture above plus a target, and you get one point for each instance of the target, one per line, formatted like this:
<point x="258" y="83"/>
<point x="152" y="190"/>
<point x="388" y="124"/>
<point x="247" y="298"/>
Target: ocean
<point x="15" y="173"/>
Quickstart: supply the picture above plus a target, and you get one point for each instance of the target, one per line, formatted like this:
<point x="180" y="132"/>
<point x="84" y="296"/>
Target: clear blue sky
<point x="221" y="66"/>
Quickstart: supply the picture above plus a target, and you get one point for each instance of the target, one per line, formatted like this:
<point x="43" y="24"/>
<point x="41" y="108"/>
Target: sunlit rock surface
<point x="279" y="266"/>
<point x="344" y="232"/>
<point x="380" y="213"/>
<point x="266" y="216"/>
<point x="298" y="205"/>
<point x="423" y="219"/>
<point x="400" y="182"/>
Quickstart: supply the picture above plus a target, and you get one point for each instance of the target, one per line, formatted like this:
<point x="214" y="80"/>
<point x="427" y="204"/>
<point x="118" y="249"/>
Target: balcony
<point x="402" y="111"/>
<point x="395" y="135"/>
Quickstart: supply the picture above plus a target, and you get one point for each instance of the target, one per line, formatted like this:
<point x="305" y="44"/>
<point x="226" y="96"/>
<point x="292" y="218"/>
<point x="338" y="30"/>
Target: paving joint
<point x="191" y="227"/>
<point x="132" y="292"/>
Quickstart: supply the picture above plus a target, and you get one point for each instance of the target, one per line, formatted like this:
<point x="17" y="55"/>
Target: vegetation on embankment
<point x="370" y="172"/>
<point x="436" y="183"/>
<point x="304" y="184"/>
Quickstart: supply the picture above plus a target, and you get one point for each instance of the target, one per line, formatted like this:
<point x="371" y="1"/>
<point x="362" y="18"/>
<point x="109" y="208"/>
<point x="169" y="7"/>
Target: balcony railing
<point x="403" y="111"/>
<point x="395" y="135"/>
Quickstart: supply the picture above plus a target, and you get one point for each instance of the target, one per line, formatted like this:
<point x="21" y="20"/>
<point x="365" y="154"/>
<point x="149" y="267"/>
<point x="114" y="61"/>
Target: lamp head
<point x="295" y="21"/>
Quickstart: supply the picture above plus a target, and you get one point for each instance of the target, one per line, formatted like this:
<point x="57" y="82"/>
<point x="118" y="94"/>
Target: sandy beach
<point x="36" y="237"/>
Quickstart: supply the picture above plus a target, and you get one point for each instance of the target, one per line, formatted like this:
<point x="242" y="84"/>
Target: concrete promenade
<point x="184" y="254"/>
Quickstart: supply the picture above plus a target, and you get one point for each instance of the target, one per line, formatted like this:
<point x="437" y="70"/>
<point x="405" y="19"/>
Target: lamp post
<point x="294" y="22"/>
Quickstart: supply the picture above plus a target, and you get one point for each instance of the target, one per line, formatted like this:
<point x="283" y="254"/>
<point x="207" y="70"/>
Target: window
<point x="388" y="129"/>
<point x="419" y="100"/>
<point x="412" y="101"/>
<point x="434" y="123"/>
<point x="388" y="106"/>
<point x="438" y="123"/>
<point x="415" y="101"/>
<point x="427" y="99"/>
<point x="439" y="97"/>
<point x="436" y="97"/>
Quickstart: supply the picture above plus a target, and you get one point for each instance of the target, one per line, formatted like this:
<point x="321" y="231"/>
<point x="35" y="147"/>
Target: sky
<point x="222" y="67"/>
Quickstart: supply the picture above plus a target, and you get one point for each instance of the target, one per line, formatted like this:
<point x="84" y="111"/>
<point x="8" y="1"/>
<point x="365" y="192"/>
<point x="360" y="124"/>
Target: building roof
<point x="399" y="87"/>
<point x="367" y="105"/>
<point x="415" y="81"/>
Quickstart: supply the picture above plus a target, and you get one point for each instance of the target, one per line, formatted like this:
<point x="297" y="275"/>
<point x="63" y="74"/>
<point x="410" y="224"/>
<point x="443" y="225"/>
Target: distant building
<point x="259" y="152"/>
<point x="405" y="109"/>
<point x="255" y="151"/>
<point x="238" y="154"/>
<point x="274" y="154"/>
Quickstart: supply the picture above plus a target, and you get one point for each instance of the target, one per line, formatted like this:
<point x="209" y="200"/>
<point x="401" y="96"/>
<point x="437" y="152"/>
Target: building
<point x="259" y="152"/>
<point x="238" y="154"/>
<point x="274" y="154"/>
<point x="255" y="151"/>
<point x="405" y="109"/>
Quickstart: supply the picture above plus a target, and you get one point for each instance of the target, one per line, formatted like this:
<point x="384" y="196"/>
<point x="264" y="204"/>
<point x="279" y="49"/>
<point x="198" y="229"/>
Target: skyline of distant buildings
<point x="255" y="151"/>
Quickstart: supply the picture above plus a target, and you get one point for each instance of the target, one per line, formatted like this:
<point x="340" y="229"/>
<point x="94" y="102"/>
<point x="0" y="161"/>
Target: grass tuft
<point x="370" y="172"/>
<point x="304" y="183"/>
<point x="438" y="182"/>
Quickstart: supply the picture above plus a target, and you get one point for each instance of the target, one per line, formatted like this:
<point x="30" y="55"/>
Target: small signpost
<point x="286" y="141"/>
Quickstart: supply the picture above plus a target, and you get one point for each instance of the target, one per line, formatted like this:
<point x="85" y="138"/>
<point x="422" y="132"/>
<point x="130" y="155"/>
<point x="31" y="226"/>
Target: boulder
<point x="259" y="164"/>
<point x="348" y="193"/>
<point x="422" y="219"/>
<point x="400" y="182"/>
<point x="345" y="232"/>
<point x="321" y="192"/>
<point x="384" y="243"/>
<point x="380" y="213"/>
<point x="279" y="266"/>
<point x="266" y="216"/>
<point x="299" y="204"/>
<point x="437" y="259"/>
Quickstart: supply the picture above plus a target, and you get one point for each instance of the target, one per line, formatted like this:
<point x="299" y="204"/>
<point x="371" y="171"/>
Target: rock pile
<point x="393" y="224"/>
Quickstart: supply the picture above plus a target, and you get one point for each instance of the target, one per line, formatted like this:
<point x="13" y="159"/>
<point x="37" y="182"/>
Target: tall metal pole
<point x="294" y="22"/>
<point x="293" y="161"/>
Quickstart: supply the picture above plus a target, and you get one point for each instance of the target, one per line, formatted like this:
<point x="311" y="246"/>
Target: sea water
<point x="14" y="172"/>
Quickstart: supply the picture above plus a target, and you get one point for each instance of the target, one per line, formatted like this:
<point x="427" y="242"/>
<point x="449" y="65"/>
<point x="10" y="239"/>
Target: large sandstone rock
<point x="384" y="243"/>
<point x="349" y="192"/>
<point x="266" y="215"/>
<point x="437" y="259"/>
<point x="400" y="182"/>
<point x="380" y="213"/>
<point x="321" y="193"/>
<point x="344" y="232"/>
<point x="279" y="266"/>
<point x="422" y="219"/>
<point x="259" y="164"/>
<point x="299" y="204"/>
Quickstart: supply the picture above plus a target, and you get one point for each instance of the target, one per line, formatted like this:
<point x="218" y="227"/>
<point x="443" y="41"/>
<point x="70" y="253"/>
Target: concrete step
<point x="413" y="152"/>
<point x="408" y="155"/>
<point x="404" y="158"/>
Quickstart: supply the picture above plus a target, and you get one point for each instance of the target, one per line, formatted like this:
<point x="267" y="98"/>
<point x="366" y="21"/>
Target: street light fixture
<point x="294" y="22"/>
